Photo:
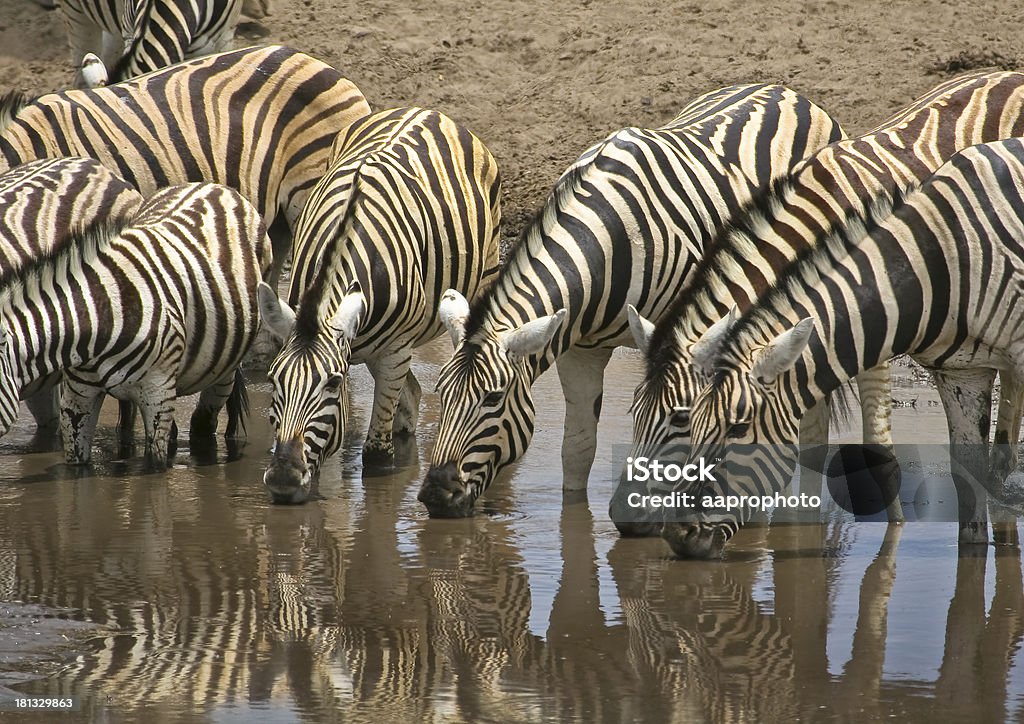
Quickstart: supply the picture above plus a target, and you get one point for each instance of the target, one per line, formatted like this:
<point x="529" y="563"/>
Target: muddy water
<point x="196" y="600"/>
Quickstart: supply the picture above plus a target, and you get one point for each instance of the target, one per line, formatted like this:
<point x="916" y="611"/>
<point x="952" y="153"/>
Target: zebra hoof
<point x="692" y="541"/>
<point x="378" y="453"/>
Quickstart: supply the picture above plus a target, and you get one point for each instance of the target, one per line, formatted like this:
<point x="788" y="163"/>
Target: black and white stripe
<point x="786" y="221"/>
<point x="409" y="208"/>
<point x="260" y="120"/>
<point x="163" y="307"/>
<point x="40" y="203"/>
<point x="941" y="279"/>
<point x="132" y="37"/>
<point x="624" y="225"/>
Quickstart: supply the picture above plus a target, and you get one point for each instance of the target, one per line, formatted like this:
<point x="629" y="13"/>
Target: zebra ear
<point x="453" y="311"/>
<point x="782" y="352"/>
<point x="346" y="321"/>
<point x="641" y="328"/>
<point x="94" y="72"/>
<point x="532" y="337"/>
<point x="276" y="315"/>
<point x="705" y="350"/>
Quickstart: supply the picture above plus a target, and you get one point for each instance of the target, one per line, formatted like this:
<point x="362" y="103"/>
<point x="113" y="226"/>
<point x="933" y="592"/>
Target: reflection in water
<point x="215" y="605"/>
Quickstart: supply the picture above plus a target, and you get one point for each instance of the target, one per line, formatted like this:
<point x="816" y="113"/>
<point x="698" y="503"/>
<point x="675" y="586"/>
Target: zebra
<point x="936" y="275"/>
<point x="780" y="224"/>
<point x="40" y="202"/>
<point x="132" y="37"/>
<point x="162" y="307"/>
<point x="260" y="120"/>
<point x="624" y="224"/>
<point x="410" y="206"/>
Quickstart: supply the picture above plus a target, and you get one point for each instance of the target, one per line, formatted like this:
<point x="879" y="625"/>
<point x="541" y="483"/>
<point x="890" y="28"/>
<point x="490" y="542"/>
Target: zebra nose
<point x="694" y="541"/>
<point x="444" y="494"/>
<point x="286" y="477"/>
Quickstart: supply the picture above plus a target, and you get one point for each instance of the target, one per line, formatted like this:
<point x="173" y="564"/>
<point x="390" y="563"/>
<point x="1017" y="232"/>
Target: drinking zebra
<point x="259" y="120"/>
<point x="409" y="207"/>
<point x="623" y="225"/>
<point x="40" y="203"/>
<point x="132" y="37"/>
<point x="783" y="223"/>
<point x="162" y="307"/>
<point x="938" y="278"/>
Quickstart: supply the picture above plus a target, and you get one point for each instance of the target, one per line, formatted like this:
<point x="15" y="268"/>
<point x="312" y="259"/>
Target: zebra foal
<point x="162" y="307"/>
<point x="132" y="37"/>
<point x="409" y="208"/>
<point x="939" y="277"/>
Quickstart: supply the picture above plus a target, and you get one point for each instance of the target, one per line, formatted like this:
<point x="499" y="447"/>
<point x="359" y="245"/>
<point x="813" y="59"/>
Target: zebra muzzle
<point x="444" y="494"/>
<point x="287" y="477"/>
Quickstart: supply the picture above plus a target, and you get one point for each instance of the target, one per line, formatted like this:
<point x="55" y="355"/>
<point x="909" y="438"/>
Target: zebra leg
<point x="45" y="407"/>
<point x="875" y="389"/>
<point x="79" y="410"/>
<point x="581" y="372"/>
<point x="813" y="453"/>
<point x="967" y="399"/>
<point x="211" y="400"/>
<point x="408" y="413"/>
<point x="389" y="378"/>
<point x="1004" y="453"/>
<point x="157" y="406"/>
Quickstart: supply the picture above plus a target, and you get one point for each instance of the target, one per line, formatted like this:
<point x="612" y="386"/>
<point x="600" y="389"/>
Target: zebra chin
<point x="444" y="494"/>
<point x="696" y="541"/>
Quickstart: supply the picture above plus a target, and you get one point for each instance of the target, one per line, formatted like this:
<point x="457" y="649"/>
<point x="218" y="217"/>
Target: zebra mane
<point x="811" y="266"/>
<point x="736" y="236"/>
<point x="309" y="315"/>
<point x="530" y="238"/>
<point x="134" y="20"/>
<point x="11" y="104"/>
<point x="80" y="246"/>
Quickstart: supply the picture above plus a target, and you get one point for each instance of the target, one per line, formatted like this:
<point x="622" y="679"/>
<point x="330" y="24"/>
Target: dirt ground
<point x="541" y="81"/>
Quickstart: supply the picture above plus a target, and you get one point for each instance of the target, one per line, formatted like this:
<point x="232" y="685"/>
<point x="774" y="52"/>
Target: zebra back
<point x="260" y="121"/>
<point x="41" y="202"/>
<point x="650" y="201"/>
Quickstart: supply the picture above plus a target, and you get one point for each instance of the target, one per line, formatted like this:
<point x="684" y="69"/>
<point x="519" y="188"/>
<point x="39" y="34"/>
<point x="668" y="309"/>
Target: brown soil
<point x="541" y="81"/>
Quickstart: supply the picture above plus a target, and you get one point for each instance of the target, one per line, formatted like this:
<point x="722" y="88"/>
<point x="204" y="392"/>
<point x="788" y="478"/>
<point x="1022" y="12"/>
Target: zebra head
<point x="9" y="389"/>
<point x="487" y="406"/>
<point x="661" y="411"/>
<point x="744" y="419"/>
<point x="309" y="403"/>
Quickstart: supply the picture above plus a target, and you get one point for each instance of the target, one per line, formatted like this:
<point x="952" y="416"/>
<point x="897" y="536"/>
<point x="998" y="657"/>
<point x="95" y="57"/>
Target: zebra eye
<point x="738" y="429"/>
<point x="680" y="417"/>
<point x="491" y="399"/>
<point x="334" y="383"/>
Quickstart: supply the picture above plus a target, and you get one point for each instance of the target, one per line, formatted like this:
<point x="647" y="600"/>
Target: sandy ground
<point x="541" y="81"/>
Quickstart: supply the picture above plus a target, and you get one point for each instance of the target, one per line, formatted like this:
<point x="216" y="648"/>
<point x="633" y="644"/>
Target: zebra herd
<point x="757" y="257"/>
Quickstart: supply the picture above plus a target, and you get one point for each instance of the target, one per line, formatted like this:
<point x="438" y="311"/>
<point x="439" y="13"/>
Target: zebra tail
<point x="238" y="406"/>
